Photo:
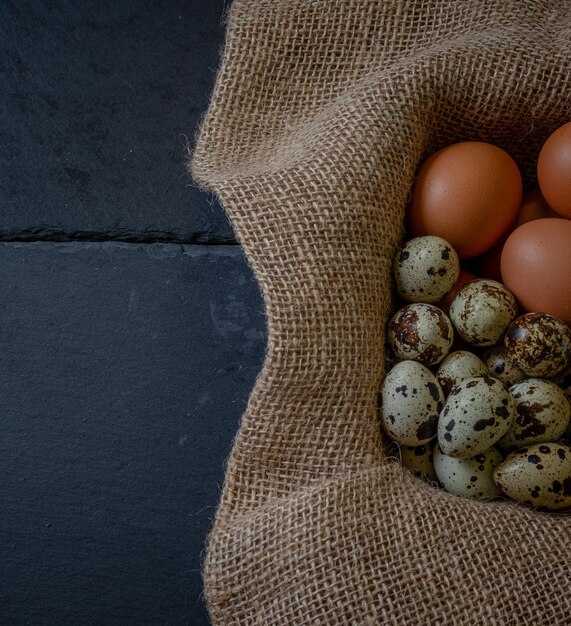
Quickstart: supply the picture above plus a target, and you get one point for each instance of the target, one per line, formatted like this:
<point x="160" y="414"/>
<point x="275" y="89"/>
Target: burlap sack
<point x="321" y="113"/>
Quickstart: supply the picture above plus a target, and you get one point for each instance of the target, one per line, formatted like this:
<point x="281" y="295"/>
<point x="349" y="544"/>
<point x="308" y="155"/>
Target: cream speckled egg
<point x="425" y="269"/>
<point x="411" y="402"/>
<point x="458" y="366"/>
<point x="542" y="414"/>
<point x="538" y="475"/>
<point x="481" y="311"/>
<point x="420" y="332"/>
<point x="539" y="344"/>
<point x="471" y="477"/>
<point x="477" y="413"/>
<point x="419" y="460"/>
<point x="500" y="366"/>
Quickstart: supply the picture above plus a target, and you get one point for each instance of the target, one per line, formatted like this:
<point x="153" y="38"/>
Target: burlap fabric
<point x="321" y="113"/>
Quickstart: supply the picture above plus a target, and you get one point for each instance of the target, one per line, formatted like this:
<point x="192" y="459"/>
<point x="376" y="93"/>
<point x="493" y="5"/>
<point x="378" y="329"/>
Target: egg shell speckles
<point x="538" y="475"/>
<point x="542" y="414"/>
<point x="425" y="269"/>
<point x="419" y="460"/>
<point x="471" y="477"/>
<point x="500" y="366"/>
<point x="481" y="311"/>
<point x="411" y="402"/>
<point x="478" y="412"/>
<point x="420" y="332"/>
<point x="539" y="344"/>
<point x="458" y="366"/>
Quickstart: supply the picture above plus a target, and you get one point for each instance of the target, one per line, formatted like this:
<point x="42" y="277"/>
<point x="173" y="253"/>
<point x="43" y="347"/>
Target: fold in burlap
<point x="321" y="113"/>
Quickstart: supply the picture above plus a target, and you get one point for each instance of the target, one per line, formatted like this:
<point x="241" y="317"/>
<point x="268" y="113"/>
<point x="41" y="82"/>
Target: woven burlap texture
<point x="321" y="113"/>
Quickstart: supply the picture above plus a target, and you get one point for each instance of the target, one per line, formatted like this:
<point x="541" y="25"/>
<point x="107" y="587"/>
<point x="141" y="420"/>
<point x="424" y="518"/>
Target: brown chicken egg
<point x="469" y="194"/>
<point x="554" y="170"/>
<point x="536" y="266"/>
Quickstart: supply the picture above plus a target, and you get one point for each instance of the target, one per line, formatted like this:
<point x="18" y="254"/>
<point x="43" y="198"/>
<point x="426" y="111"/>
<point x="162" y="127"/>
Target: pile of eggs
<point x="478" y="398"/>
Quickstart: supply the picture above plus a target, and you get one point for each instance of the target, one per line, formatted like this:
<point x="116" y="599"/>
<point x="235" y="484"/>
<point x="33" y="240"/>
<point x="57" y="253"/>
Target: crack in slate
<point x="125" y="237"/>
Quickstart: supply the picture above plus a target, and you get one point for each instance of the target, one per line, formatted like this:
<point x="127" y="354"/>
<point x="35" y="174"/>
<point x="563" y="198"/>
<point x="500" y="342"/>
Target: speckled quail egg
<point x="539" y="344"/>
<point x="419" y="460"/>
<point x="481" y="311"/>
<point x="458" y="366"/>
<point x="420" y="332"/>
<point x="500" y="366"/>
<point x="538" y="475"/>
<point x="425" y="269"/>
<point x="477" y="413"/>
<point x="542" y="414"/>
<point x="411" y="402"/>
<point x="471" y="477"/>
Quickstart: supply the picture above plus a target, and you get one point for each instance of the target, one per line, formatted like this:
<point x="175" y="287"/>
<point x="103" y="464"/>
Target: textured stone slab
<point x="99" y="104"/>
<point x="124" y="370"/>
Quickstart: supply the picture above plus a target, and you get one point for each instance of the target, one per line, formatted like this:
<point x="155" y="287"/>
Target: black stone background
<point x="131" y="327"/>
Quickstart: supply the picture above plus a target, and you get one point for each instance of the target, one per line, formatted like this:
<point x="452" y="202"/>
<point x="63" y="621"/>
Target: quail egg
<point x="411" y="402"/>
<point x="470" y="477"/>
<point x="477" y="413"/>
<point x="425" y="269"/>
<point x="500" y="366"/>
<point x="420" y="332"/>
<point x="538" y="475"/>
<point x="481" y="311"/>
<point x="458" y="366"/>
<point x="539" y="344"/>
<point x="419" y="460"/>
<point x="542" y="414"/>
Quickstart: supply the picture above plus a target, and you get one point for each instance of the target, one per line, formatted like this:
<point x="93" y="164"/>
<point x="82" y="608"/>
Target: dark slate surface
<point x="124" y="370"/>
<point x="99" y="102"/>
